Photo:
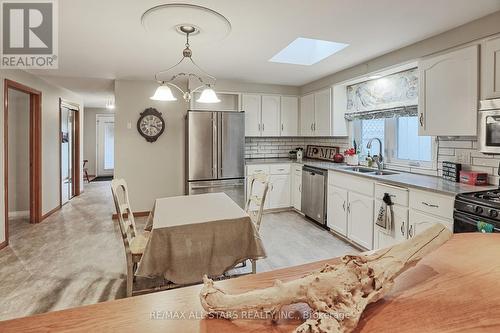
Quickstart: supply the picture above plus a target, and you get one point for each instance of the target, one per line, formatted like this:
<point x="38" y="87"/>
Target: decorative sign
<point x="325" y="153"/>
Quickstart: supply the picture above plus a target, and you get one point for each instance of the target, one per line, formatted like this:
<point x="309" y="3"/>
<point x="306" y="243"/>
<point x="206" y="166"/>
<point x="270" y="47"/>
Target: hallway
<point x="74" y="257"/>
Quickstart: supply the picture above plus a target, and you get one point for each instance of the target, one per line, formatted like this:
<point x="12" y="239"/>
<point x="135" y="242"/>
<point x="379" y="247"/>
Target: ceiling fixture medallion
<point x="176" y="15"/>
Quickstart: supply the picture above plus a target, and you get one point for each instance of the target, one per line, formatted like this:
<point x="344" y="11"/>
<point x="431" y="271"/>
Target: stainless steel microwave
<point x="489" y="126"/>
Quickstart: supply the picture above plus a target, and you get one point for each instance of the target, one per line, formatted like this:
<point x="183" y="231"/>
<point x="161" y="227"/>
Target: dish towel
<point x="386" y="214"/>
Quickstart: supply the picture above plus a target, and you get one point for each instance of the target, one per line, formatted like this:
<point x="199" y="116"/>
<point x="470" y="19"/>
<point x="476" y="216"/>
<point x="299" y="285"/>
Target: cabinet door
<point x="297" y="191"/>
<point x="280" y="191"/>
<point x="271" y="116"/>
<point x="421" y="221"/>
<point x="323" y="113"/>
<point x="251" y="104"/>
<point x="337" y="209"/>
<point x="490" y="69"/>
<point x="289" y="116"/>
<point x="307" y="115"/>
<point x="360" y="219"/>
<point x="448" y="100"/>
<point x="399" y="231"/>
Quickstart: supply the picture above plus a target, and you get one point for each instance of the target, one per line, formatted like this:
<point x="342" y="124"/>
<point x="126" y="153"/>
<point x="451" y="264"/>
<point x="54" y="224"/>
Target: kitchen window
<point x="401" y="144"/>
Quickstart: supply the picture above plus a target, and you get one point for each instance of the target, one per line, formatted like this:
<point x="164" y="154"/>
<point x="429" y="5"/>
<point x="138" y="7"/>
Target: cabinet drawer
<point x="257" y="168"/>
<point x="437" y="204"/>
<point x="399" y="195"/>
<point x="352" y="183"/>
<point x="280" y="169"/>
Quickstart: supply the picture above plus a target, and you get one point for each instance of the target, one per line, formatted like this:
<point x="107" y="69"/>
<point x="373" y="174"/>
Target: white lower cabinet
<point x="337" y="209"/>
<point x="297" y="187"/>
<point x="399" y="232"/>
<point x="360" y="219"/>
<point x="279" y="194"/>
<point x="420" y="221"/>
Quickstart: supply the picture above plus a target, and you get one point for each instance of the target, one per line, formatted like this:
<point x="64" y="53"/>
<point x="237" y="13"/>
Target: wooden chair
<point x="259" y="186"/>
<point x="133" y="242"/>
<point x="86" y="170"/>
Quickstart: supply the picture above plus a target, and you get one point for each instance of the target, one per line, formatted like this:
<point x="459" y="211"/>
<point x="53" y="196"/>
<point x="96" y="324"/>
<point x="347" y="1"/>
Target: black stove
<point x="477" y="212"/>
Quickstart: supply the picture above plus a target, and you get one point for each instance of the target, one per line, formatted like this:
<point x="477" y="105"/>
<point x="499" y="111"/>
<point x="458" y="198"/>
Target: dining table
<point x="194" y="235"/>
<point x="456" y="288"/>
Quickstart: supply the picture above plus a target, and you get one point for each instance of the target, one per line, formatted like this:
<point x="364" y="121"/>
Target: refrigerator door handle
<point x="214" y="145"/>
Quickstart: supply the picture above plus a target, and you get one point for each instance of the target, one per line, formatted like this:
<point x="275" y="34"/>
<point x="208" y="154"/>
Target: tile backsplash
<point x="461" y="150"/>
<point x="464" y="150"/>
<point x="258" y="147"/>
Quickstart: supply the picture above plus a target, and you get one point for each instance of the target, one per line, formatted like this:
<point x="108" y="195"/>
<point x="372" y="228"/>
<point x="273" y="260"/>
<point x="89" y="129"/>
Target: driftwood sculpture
<point x="337" y="294"/>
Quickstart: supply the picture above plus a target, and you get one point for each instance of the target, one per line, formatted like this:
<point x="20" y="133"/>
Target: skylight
<point x="307" y="51"/>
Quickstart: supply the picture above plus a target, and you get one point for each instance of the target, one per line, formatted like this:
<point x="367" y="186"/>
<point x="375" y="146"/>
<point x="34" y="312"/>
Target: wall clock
<point x="151" y="124"/>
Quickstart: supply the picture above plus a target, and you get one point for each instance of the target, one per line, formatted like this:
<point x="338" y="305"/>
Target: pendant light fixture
<point x="164" y="93"/>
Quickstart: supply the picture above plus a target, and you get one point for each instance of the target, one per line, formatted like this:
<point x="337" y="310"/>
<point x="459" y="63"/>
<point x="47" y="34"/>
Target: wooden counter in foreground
<point x="454" y="289"/>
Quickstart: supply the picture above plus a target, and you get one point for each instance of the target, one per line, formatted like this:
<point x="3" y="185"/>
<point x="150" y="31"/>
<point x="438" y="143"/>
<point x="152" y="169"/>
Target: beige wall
<point x="50" y="138"/>
<point x="155" y="170"/>
<point x="19" y="168"/>
<point x="483" y="27"/>
<point x="89" y="132"/>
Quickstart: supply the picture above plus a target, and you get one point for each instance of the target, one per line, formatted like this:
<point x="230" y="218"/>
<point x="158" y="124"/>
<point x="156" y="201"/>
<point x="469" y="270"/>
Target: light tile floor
<point x="75" y="257"/>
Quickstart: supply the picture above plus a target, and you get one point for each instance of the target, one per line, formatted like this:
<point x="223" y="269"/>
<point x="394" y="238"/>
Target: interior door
<point x="231" y="145"/>
<point x="202" y="145"/>
<point x="337" y="209"/>
<point x="67" y="130"/>
<point x="105" y="145"/>
<point x="271" y="115"/>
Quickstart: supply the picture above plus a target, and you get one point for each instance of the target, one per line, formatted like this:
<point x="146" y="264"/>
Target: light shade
<point x="208" y="95"/>
<point x="163" y="93"/>
<point x="307" y="51"/>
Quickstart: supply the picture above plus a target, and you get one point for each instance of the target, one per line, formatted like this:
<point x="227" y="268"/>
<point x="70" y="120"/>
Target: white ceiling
<point x="105" y="39"/>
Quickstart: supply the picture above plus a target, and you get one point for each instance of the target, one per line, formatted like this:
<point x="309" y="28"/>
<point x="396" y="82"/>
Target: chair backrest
<point x="124" y="212"/>
<point x="259" y="186"/>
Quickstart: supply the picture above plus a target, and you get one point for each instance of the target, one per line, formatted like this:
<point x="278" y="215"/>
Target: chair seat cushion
<point x="138" y="244"/>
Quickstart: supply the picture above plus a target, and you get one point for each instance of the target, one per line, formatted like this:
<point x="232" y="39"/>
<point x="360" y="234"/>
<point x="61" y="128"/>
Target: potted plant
<point x="351" y="156"/>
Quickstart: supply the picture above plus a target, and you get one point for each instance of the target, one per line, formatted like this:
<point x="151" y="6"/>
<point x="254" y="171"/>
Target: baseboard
<point x="24" y="213"/>
<point x="4" y="244"/>
<point x="50" y="213"/>
<point x="136" y="214"/>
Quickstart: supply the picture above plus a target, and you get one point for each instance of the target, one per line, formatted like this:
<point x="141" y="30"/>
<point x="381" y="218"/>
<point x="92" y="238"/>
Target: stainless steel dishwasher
<point x="314" y="184"/>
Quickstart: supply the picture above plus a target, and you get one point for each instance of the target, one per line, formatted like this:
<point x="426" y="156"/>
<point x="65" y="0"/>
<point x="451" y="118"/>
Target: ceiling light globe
<point x="163" y="93"/>
<point x="208" y="95"/>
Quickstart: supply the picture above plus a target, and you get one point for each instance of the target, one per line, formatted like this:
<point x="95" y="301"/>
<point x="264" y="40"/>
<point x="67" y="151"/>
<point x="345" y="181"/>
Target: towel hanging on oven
<point x="386" y="214"/>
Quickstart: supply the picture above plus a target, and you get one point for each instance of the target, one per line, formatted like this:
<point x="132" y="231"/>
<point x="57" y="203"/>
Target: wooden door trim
<point x="35" y="153"/>
<point x="76" y="149"/>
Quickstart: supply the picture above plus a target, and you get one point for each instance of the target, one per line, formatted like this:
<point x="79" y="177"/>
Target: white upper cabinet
<point x="307" y="115"/>
<point x="270" y="125"/>
<point x="323" y="113"/>
<point x="490" y="69"/>
<point x="251" y="104"/>
<point x="448" y="97"/>
<point x="289" y="116"/>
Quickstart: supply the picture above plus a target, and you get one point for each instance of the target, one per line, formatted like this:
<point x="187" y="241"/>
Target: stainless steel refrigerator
<point x="216" y="153"/>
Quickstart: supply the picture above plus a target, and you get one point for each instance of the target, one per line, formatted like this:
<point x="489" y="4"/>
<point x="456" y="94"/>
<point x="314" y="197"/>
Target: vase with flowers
<point x="351" y="156"/>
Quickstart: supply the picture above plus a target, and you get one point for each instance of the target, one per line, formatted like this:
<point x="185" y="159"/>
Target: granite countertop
<point x="406" y="179"/>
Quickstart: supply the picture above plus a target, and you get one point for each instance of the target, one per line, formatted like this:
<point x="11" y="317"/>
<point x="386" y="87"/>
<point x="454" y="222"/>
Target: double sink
<point x="371" y="171"/>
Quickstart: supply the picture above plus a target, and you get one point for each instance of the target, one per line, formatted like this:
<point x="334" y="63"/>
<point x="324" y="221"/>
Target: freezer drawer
<point x="234" y="188"/>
